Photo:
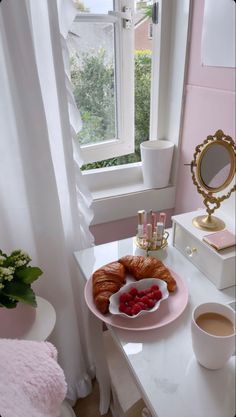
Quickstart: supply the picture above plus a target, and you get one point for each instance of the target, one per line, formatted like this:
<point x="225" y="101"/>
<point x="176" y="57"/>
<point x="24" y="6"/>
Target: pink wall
<point x="210" y="105"/>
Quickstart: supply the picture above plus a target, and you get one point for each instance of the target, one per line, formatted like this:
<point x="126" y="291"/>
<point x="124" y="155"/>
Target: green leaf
<point x="21" y="292"/>
<point x="6" y="302"/>
<point x="28" y="274"/>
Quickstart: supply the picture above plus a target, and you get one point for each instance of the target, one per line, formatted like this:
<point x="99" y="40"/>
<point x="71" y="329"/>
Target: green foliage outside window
<point x="93" y="85"/>
<point x="143" y="64"/>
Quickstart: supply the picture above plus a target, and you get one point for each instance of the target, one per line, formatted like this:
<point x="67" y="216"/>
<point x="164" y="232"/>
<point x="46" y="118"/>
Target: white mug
<point x="212" y="351"/>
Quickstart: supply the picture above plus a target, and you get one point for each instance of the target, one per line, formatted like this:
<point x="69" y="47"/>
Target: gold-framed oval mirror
<point x="213" y="169"/>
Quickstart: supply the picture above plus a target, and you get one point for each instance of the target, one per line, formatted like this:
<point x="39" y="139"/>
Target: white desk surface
<point x="162" y="360"/>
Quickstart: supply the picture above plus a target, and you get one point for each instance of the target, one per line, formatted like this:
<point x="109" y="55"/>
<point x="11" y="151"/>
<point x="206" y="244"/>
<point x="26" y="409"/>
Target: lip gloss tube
<point x="141" y="220"/>
<point x="153" y="221"/>
<point x="145" y="222"/>
<point x="149" y="232"/>
<point x="163" y="219"/>
<point x="149" y="217"/>
<point x="159" y="233"/>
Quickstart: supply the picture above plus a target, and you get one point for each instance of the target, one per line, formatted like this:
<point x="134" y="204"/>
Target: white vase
<point x="14" y="322"/>
<point x="156" y="158"/>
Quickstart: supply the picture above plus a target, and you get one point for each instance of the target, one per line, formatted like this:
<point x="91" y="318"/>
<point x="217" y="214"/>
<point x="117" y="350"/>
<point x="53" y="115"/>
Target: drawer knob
<point x="190" y="252"/>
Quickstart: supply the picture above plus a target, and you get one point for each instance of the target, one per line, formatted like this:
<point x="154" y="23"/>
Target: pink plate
<point x="169" y="310"/>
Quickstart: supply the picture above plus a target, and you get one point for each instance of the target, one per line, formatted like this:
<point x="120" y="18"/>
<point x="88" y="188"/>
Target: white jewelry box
<point x="218" y="266"/>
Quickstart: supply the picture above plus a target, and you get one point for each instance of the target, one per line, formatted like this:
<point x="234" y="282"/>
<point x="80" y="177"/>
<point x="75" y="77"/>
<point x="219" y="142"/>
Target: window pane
<point x="94" y="6"/>
<point x="143" y="63"/>
<point x="93" y="79"/>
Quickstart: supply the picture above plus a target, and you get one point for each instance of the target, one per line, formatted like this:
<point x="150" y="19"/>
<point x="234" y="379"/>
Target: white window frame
<point x="118" y="192"/>
<point x="124" y="74"/>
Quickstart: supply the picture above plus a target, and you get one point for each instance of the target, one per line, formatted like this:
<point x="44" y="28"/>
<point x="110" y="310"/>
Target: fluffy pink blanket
<point x="32" y="384"/>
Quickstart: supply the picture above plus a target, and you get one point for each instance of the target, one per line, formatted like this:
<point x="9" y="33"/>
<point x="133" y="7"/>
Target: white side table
<point x="25" y="322"/>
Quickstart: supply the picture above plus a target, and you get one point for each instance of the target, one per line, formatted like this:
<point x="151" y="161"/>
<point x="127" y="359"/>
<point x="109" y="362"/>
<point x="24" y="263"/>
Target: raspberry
<point x="144" y="299"/>
<point x="133" y="291"/>
<point x="142" y="305"/>
<point x="128" y="311"/>
<point x="141" y="293"/>
<point x="157" y="295"/>
<point x="125" y="297"/>
<point x="137" y="298"/>
<point x="131" y="303"/>
<point x="154" y="287"/>
<point x="151" y="303"/>
<point x="151" y="295"/>
<point x="136" y="309"/>
<point x="122" y="307"/>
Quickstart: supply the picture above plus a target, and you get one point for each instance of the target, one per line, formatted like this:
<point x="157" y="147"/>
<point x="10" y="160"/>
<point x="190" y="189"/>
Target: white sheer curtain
<point x="44" y="204"/>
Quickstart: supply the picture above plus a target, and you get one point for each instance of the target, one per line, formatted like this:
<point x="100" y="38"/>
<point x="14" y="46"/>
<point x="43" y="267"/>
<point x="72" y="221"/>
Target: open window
<point x="118" y="191"/>
<point x="102" y="72"/>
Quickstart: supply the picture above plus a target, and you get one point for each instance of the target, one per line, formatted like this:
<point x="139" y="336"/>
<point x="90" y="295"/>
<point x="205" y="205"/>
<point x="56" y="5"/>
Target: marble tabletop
<point x="162" y="360"/>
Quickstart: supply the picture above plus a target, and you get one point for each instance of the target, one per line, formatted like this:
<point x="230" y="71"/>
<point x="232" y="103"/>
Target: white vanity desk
<point x="171" y="381"/>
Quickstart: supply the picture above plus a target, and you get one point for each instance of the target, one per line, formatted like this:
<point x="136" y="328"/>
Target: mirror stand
<point x="208" y="222"/>
<point x="213" y="169"/>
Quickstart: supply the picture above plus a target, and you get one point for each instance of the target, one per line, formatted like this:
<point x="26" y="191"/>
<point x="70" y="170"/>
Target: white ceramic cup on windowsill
<point x="213" y="347"/>
<point x="156" y="156"/>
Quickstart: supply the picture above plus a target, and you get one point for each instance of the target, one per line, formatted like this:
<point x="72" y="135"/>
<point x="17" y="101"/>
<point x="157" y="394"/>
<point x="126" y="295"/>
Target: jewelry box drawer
<point x="217" y="268"/>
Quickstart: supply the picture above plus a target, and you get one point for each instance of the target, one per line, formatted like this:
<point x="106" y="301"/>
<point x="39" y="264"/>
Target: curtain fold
<point x="44" y="203"/>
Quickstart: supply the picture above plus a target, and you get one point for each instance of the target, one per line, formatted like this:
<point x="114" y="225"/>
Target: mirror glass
<point x="215" y="166"/>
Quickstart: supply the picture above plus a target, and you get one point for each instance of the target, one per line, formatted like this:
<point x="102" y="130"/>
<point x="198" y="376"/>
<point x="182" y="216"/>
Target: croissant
<point x="147" y="267"/>
<point x="106" y="281"/>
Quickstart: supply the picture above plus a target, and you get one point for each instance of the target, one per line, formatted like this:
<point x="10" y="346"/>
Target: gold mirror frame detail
<point x="209" y="222"/>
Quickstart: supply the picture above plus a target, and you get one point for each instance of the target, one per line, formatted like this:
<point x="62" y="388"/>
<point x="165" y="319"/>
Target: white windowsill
<point x="119" y="192"/>
<point x="111" y="181"/>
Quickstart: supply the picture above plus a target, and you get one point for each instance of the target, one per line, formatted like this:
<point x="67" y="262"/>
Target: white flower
<point x="19" y="263"/>
<point x="19" y="258"/>
<point x="7" y="273"/>
<point x="24" y="254"/>
<point x="2" y="259"/>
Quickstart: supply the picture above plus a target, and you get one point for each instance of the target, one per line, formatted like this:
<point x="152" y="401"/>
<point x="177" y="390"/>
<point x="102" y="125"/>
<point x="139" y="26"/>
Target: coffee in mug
<point x="215" y="324"/>
<point x="213" y="334"/>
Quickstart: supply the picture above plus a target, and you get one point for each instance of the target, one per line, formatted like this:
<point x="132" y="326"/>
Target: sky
<point x="99" y="6"/>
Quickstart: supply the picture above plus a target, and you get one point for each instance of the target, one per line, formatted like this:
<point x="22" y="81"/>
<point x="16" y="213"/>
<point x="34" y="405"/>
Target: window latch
<point x="125" y="15"/>
<point x="155" y="13"/>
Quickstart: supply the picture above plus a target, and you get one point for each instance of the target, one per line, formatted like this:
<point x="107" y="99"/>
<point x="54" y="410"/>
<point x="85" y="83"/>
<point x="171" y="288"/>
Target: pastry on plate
<point x="147" y="267"/>
<point x="106" y="281"/>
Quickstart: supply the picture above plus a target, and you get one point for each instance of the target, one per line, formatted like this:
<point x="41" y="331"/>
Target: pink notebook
<point x="220" y="240"/>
